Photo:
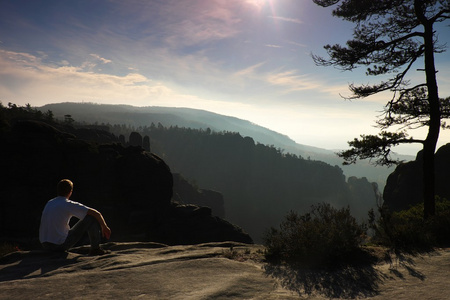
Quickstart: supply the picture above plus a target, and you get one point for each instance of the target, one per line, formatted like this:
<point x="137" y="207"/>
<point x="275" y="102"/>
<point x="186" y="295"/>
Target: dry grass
<point x="244" y="254"/>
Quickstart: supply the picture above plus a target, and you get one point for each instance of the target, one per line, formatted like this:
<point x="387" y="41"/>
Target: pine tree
<point x="390" y="38"/>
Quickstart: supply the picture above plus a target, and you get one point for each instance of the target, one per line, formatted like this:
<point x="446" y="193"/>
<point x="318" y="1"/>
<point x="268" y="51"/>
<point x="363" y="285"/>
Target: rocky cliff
<point x="131" y="187"/>
<point x="404" y="186"/>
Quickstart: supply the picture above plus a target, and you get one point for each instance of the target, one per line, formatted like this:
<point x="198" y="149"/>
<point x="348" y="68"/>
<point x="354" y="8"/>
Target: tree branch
<point x="376" y="146"/>
<point x="325" y="3"/>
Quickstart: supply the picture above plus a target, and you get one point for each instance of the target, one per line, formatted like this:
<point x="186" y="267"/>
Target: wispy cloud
<point x="25" y="78"/>
<point x="101" y="59"/>
<point x="273" y="46"/>
<point x="34" y="79"/>
<point x="297" y="44"/>
<point x="283" y="19"/>
<point x="292" y="81"/>
<point x="289" y="81"/>
<point x="250" y="70"/>
<point x="196" y="22"/>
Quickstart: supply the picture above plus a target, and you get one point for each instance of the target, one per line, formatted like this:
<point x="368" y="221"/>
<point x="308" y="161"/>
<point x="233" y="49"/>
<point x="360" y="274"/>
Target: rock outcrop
<point x="131" y="187"/>
<point x="404" y="187"/>
<point x="213" y="271"/>
<point x="191" y="224"/>
<point x="361" y="188"/>
<point x="186" y="193"/>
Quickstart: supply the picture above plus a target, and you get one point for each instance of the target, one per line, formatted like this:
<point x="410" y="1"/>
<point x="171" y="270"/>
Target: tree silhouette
<point x="389" y="38"/>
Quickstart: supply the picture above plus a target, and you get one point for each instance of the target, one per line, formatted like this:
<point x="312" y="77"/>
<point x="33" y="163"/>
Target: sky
<point x="249" y="59"/>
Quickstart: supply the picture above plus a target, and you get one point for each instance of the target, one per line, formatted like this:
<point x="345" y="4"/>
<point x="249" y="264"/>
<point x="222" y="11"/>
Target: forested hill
<point x="260" y="184"/>
<point x="139" y="117"/>
<point x="168" y="116"/>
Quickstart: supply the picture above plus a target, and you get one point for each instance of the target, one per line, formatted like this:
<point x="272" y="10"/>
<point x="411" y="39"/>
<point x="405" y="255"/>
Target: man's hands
<point x="106" y="232"/>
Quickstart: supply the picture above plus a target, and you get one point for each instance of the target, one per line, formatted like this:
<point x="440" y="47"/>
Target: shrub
<point x="407" y="230"/>
<point x="324" y="236"/>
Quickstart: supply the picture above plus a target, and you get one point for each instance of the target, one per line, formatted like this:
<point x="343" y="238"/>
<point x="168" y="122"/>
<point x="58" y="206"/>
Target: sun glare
<point x="262" y="5"/>
<point x="257" y="3"/>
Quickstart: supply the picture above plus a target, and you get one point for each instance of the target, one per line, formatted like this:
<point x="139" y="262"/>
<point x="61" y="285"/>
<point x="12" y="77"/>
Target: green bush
<point x="324" y="236"/>
<point x="407" y="230"/>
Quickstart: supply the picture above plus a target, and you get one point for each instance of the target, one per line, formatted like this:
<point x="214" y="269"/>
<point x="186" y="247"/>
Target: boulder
<point x="186" y="193"/>
<point x="135" y="139"/>
<point x="192" y="224"/>
<point x="404" y="187"/>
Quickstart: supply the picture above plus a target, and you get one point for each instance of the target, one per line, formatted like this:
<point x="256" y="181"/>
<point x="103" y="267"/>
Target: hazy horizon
<point x="249" y="59"/>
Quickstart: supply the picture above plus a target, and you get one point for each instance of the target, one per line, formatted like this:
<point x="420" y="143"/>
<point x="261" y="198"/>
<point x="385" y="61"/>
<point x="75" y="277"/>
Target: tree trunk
<point x="429" y="146"/>
<point x="428" y="179"/>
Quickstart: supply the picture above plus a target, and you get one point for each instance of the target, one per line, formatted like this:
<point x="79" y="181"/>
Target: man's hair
<point x="64" y="187"/>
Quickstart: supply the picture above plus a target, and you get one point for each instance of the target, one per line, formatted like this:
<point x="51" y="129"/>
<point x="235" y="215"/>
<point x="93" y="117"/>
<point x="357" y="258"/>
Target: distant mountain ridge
<point x="169" y="116"/>
<point x="201" y="119"/>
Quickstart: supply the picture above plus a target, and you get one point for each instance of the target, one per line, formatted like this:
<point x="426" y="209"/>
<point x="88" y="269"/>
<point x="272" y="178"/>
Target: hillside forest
<point x="260" y="184"/>
<point x="141" y="117"/>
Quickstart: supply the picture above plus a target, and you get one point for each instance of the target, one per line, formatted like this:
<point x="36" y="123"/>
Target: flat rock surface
<point x="211" y="271"/>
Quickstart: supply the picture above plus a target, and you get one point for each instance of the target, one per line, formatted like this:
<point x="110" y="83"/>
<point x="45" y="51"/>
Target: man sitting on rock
<point x="55" y="233"/>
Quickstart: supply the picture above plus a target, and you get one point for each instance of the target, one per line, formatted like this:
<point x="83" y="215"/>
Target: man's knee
<point x="89" y="218"/>
<point x="92" y="223"/>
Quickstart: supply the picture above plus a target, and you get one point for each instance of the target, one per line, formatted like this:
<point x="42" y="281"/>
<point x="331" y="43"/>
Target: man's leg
<point x="90" y="225"/>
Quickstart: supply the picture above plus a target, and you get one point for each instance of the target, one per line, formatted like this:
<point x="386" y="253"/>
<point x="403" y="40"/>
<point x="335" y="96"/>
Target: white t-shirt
<point x="56" y="217"/>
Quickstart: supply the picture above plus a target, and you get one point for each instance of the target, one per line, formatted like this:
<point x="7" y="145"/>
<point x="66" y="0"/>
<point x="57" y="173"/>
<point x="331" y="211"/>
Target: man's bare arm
<point x="106" y="232"/>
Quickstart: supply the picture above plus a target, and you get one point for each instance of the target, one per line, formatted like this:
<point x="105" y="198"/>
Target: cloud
<point x="292" y="81"/>
<point x="273" y="46"/>
<point x="188" y="23"/>
<point x="197" y="31"/>
<point x="101" y="59"/>
<point x="289" y="81"/>
<point x="250" y="70"/>
<point x="297" y="44"/>
<point x="291" y="20"/>
<point x="25" y="77"/>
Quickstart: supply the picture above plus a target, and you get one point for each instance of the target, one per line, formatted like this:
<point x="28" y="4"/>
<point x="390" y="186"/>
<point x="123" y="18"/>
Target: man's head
<point x="64" y="188"/>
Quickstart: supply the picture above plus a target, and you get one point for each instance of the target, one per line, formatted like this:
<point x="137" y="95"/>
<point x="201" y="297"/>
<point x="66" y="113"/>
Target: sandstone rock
<point x="131" y="187"/>
<point x="135" y="139"/>
<point x="191" y="224"/>
<point x="186" y="193"/>
<point x="146" y="143"/>
<point x="404" y="186"/>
